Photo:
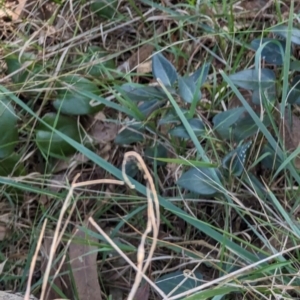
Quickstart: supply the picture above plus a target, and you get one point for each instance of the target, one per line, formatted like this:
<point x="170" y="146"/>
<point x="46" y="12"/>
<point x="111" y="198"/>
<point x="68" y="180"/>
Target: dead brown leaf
<point x="253" y="4"/>
<point x="103" y="132"/>
<point x="143" y="292"/>
<point x="140" y="56"/>
<point x="2" y="232"/>
<point x="51" y="294"/>
<point x="83" y="260"/>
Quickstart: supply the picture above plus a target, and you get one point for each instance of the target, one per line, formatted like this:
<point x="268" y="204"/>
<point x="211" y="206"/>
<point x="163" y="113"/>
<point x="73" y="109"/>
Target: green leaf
<point x="152" y="153"/>
<point x="70" y="102"/>
<point x="139" y="92"/>
<point x="131" y="134"/>
<point x="295" y="65"/>
<point x="131" y="168"/>
<point x="282" y="31"/>
<point x="168" y="282"/>
<point x="269" y="94"/>
<point x="188" y="89"/>
<point x="51" y="143"/>
<point x="271" y="161"/>
<point x="200" y="181"/>
<point x="294" y="93"/>
<point x="201" y="74"/>
<point x="271" y="52"/>
<point x="104" y="8"/>
<point x="234" y="161"/>
<point x="33" y="75"/>
<point x="8" y="125"/>
<point x="11" y="166"/>
<point x="196" y="125"/>
<point x="252" y="79"/>
<point x="149" y="107"/>
<point x="224" y="121"/>
<point x="171" y="117"/>
<point x="164" y="70"/>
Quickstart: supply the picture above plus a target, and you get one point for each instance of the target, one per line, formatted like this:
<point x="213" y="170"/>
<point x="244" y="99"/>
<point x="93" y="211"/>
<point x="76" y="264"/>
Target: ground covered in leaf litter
<point x="64" y="47"/>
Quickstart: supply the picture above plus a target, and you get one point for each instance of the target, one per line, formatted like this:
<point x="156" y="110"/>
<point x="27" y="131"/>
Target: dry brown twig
<point x="34" y="259"/>
<point x="58" y="234"/>
<point x="152" y="223"/>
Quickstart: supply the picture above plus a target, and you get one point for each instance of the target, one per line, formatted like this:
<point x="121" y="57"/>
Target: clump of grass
<point x="224" y="165"/>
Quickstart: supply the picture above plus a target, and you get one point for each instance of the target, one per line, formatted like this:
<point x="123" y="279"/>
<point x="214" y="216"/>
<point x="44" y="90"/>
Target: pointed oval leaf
<point x="34" y="75"/>
<point x="200" y="181"/>
<point x="156" y="151"/>
<point x="200" y="75"/>
<point x="147" y="108"/>
<point x="224" y="121"/>
<point x="163" y="69"/>
<point x="180" y="131"/>
<point x="295" y="65"/>
<point x="139" y="92"/>
<point x="51" y="143"/>
<point x="271" y="52"/>
<point x="188" y="89"/>
<point x="171" y="117"/>
<point x="168" y="282"/>
<point x="252" y="79"/>
<point x="131" y="168"/>
<point x="269" y="94"/>
<point x="234" y="161"/>
<point x="131" y="134"/>
<point x="11" y="165"/>
<point x="294" y="93"/>
<point x="282" y="31"/>
<point x="271" y="161"/>
<point x="8" y="125"/>
<point x="70" y="102"/>
<point x="104" y="8"/>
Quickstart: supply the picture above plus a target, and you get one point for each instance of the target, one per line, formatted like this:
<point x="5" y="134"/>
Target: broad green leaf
<point x="104" y="8"/>
<point x="131" y="168"/>
<point x="295" y="65"/>
<point x="163" y="69"/>
<point x="224" y="121"/>
<point x="294" y="93"/>
<point x="140" y="92"/>
<point x="131" y="134"/>
<point x="201" y="74"/>
<point x="270" y="161"/>
<point x="271" y="52"/>
<point x="34" y="75"/>
<point x="269" y="94"/>
<point x="149" y="107"/>
<point x="282" y="31"/>
<point x="70" y="102"/>
<point x="253" y="79"/>
<point x="171" y="117"/>
<point x="200" y="181"/>
<point x="168" y="282"/>
<point x="196" y="125"/>
<point x="51" y="143"/>
<point x="188" y="89"/>
<point x="8" y="125"/>
<point x="152" y="153"/>
<point x="234" y="161"/>
<point x="11" y="165"/>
